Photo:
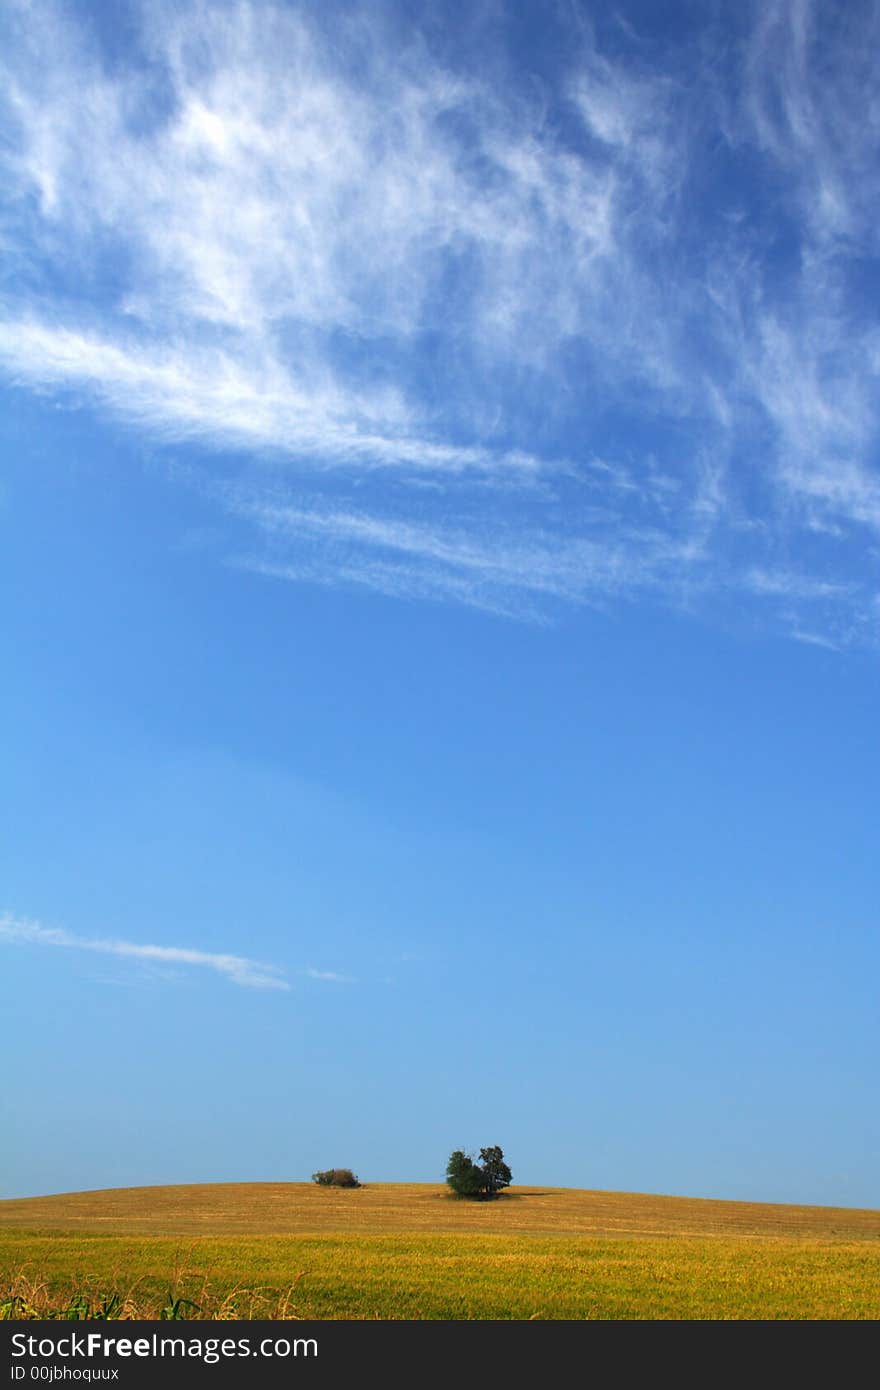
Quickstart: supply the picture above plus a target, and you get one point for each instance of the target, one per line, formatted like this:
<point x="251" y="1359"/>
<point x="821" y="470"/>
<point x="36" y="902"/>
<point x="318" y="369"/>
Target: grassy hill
<point x="410" y="1250"/>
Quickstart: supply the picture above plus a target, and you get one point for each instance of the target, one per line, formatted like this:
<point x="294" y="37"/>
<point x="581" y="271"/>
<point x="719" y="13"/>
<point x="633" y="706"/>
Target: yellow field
<point x="410" y="1251"/>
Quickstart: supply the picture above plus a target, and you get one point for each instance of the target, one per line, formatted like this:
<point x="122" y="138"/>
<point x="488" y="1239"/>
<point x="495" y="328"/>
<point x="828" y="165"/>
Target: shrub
<point x="336" y="1177"/>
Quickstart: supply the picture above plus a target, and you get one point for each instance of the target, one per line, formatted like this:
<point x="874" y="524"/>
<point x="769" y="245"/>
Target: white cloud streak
<point x="239" y="970"/>
<point x="210" y="395"/>
<point x="432" y="299"/>
<point x="496" y="572"/>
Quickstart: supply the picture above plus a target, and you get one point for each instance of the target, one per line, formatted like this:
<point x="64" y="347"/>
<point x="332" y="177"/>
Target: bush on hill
<point x="336" y="1177"/>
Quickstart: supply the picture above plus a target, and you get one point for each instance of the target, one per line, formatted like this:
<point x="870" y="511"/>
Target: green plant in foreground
<point x="17" y="1308"/>
<point x="176" y="1309"/>
<point x="25" y="1298"/>
<point x="80" y="1309"/>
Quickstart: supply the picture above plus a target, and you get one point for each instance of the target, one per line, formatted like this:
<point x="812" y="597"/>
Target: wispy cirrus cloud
<point x="239" y="970"/>
<point x="213" y="396"/>
<point x="501" y="571"/>
<point x="816" y="127"/>
<point x="426" y="300"/>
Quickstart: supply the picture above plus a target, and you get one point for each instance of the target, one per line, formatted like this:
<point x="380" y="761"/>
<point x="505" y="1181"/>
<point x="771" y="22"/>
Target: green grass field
<point x="411" y="1251"/>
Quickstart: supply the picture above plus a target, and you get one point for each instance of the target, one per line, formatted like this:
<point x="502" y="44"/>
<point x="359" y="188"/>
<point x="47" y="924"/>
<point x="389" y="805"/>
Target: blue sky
<point x="441" y="512"/>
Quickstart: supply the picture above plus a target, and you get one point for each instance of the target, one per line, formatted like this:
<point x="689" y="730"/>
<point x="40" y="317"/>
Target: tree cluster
<point x="336" y="1177"/>
<point x="484" y="1179"/>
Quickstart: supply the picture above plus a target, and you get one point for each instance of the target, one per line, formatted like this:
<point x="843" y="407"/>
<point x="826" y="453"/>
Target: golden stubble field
<point x="392" y="1250"/>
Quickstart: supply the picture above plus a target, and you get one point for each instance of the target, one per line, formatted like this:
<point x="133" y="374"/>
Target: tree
<point x="463" y="1175"/>
<point x="496" y="1173"/>
<point x="470" y="1179"/>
